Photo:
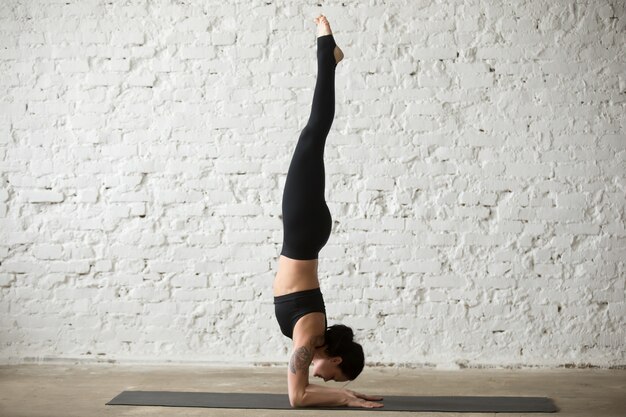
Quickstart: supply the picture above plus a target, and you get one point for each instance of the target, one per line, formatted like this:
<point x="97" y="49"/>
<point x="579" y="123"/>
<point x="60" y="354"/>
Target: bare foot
<point x="323" y="29"/>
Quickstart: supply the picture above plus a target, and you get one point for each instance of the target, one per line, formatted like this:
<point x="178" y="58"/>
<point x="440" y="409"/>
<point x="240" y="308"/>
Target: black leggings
<point x="306" y="218"/>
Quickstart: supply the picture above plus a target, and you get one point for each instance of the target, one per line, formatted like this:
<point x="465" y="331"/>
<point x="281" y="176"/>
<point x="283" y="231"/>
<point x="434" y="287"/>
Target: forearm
<point x="317" y="395"/>
<point x="321" y="388"/>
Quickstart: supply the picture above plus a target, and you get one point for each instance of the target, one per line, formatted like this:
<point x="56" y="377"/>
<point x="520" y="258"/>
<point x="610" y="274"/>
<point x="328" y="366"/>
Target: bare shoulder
<point x="310" y="329"/>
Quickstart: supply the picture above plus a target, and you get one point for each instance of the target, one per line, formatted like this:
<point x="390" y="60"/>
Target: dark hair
<point x="339" y="342"/>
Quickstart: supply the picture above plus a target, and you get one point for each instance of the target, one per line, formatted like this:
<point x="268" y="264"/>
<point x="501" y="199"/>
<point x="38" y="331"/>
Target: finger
<point x="373" y="398"/>
<point x="370" y="397"/>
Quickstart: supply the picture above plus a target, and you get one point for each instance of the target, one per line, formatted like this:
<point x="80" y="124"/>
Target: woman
<point x="307" y="223"/>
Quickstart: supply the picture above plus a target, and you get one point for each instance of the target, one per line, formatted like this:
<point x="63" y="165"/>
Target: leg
<point x="306" y="218"/>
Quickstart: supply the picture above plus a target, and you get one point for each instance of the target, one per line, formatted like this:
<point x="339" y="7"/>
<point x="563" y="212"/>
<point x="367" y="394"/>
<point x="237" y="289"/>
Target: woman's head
<point x="342" y="358"/>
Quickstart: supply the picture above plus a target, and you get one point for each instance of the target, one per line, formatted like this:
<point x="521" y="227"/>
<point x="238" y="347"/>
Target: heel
<point x="338" y="54"/>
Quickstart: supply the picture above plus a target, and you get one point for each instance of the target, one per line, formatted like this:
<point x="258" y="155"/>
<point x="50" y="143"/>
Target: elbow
<point x="296" y="400"/>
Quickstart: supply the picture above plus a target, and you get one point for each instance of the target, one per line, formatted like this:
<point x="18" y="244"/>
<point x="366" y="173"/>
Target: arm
<point x="303" y="394"/>
<point x="354" y="398"/>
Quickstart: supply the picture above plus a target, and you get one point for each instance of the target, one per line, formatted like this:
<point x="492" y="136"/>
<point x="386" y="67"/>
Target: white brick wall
<point x="475" y="172"/>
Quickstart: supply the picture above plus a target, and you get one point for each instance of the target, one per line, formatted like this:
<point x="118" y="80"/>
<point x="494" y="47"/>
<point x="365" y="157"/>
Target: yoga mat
<point x="281" y="401"/>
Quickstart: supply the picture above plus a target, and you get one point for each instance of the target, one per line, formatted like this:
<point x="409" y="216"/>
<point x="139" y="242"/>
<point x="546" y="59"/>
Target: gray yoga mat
<point x="281" y="401"/>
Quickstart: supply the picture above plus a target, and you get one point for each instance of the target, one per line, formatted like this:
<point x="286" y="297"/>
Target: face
<point x="328" y="369"/>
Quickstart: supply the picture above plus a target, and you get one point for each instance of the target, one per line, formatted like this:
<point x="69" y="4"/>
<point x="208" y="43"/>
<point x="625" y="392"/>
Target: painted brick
<point x="474" y="188"/>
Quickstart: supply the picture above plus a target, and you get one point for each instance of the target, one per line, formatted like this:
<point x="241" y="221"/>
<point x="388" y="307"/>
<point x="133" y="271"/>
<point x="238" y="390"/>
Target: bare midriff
<point x="295" y="275"/>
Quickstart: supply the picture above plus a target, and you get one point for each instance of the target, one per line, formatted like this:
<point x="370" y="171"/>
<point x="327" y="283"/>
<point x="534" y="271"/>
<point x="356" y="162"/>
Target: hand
<point x="361" y="400"/>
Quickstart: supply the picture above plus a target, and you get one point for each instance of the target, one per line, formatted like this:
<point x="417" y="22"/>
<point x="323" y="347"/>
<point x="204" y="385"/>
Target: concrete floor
<point x="83" y="390"/>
